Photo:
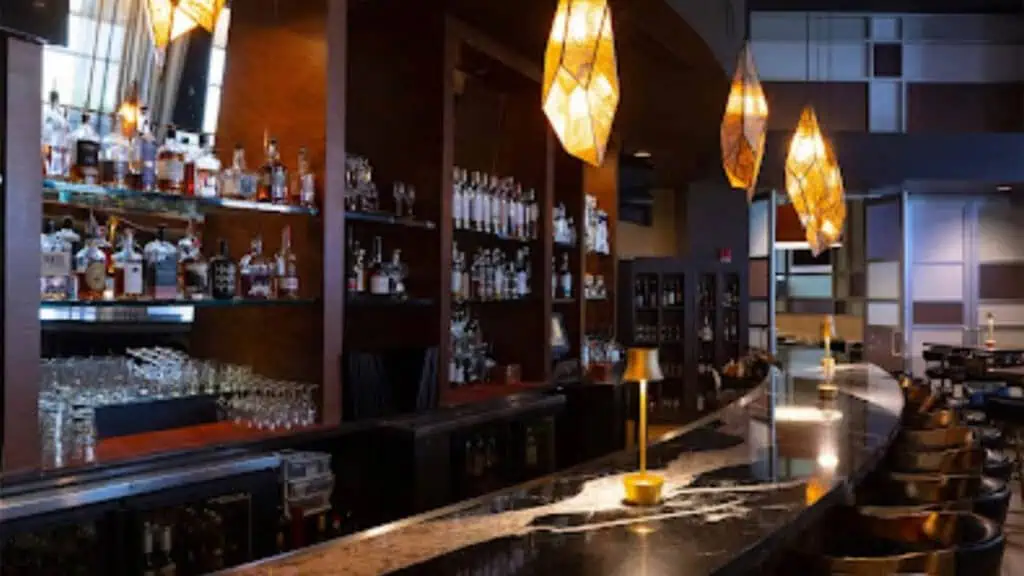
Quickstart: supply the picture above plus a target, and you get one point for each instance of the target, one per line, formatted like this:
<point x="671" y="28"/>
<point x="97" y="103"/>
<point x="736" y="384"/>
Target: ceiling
<point x="673" y="84"/>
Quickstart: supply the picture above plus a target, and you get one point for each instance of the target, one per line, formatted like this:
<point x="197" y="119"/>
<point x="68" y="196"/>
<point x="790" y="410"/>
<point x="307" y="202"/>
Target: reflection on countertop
<point x="731" y="480"/>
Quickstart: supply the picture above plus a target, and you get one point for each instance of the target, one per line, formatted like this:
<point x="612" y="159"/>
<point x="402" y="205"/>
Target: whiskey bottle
<point x="128" y="276"/>
<point x="161" y="259"/>
<point x="472" y="202"/>
<point x="144" y="166"/>
<point x="380" y="283"/>
<point x="287" y="273"/>
<point x="223" y="274"/>
<point x="170" y="164"/>
<point x="533" y="215"/>
<point x="456" y="199"/>
<point x="192" y="152"/>
<point x="207" y="169"/>
<point x="91" y="269"/>
<point x="193" y="269"/>
<point x="273" y="185"/>
<point x="257" y="272"/>
<point x="467" y="208"/>
<point x="356" y="283"/>
<point x="85" y="149"/>
<point x="116" y="155"/>
<point x="55" y="139"/>
<point x="305" y="182"/>
<point x="56" y="283"/>
<point x="522" y="284"/>
<point x="456" y="276"/>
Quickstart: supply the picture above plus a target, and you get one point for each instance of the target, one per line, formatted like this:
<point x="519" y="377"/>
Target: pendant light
<point x="814" y="183"/>
<point x="744" y="125"/>
<point x="171" y="19"/>
<point x="581" y="79"/>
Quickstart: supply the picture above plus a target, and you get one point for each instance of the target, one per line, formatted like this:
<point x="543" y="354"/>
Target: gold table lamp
<point x="643" y="488"/>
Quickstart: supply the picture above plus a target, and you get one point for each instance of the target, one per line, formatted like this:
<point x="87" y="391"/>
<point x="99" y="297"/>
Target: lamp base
<point x="828" y="367"/>
<point x="643" y="488"/>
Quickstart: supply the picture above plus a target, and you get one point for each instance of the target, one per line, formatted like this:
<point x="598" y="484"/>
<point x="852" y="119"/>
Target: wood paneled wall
<point x="965" y="107"/>
<point x="840" y="106"/>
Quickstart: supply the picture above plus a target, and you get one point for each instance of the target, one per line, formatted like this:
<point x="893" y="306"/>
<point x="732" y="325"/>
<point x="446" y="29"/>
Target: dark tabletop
<point x="762" y="468"/>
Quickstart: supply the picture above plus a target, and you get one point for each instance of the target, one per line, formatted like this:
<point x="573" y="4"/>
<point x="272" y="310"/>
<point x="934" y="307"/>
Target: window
<point x="215" y="78"/>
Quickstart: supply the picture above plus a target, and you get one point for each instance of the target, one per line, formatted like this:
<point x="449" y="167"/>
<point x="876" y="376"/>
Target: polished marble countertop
<point x="736" y="482"/>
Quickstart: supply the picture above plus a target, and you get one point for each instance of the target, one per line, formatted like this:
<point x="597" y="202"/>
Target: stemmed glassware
<point x="73" y="389"/>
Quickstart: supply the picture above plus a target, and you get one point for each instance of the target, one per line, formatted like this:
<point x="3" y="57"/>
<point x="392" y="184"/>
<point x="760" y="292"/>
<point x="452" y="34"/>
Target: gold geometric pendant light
<point x="744" y="125"/>
<point x="814" y="183"/>
<point x="581" y="78"/>
<point x="171" y="19"/>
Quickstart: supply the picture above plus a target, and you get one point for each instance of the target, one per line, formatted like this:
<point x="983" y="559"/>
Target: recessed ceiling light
<point x="641" y="154"/>
<point x="1003" y="188"/>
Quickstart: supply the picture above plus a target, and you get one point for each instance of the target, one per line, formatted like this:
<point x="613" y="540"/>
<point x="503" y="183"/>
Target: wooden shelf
<point x="371" y="300"/>
<point x="389" y="219"/>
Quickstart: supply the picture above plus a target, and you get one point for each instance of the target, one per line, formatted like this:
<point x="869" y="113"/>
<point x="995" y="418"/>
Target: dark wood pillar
<point x="21" y="184"/>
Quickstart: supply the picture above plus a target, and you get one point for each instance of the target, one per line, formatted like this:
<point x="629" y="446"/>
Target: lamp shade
<point x="642" y="365"/>
<point x="203" y="13"/>
<point x="166" y="22"/>
<point x="744" y="125"/>
<point x="581" y="78"/>
<point x="814" y="183"/>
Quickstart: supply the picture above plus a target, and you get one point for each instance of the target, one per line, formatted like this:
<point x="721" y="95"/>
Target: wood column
<point x="21" y="186"/>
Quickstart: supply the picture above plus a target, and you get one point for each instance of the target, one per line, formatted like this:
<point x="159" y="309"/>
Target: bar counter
<point x="737" y="483"/>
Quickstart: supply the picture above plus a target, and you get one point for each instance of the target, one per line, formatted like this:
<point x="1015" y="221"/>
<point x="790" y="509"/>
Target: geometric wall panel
<point x="760" y="229"/>
<point x="884" y="280"/>
<point x="758" y="315"/>
<point x="938" y="230"/>
<point x="884" y="314"/>
<point x="1000" y="231"/>
<point x="938" y="282"/>
<point x="1003" y="281"/>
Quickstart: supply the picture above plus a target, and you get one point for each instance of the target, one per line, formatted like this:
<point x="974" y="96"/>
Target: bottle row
<point x="129" y="157"/>
<point x="493" y="205"/>
<point x="361" y="193"/>
<point x="647" y="294"/>
<point x="653" y="333"/>
<point x="108" y="265"/>
<point x="471" y="361"/>
<point x="375" y="276"/>
<point x="491" y="274"/>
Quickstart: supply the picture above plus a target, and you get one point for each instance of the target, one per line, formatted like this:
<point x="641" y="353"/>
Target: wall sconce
<point x="581" y="78"/>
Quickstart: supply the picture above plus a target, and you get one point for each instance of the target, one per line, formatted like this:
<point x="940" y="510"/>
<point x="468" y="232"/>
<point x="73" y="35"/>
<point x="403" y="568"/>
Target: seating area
<point x="947" y="499"/>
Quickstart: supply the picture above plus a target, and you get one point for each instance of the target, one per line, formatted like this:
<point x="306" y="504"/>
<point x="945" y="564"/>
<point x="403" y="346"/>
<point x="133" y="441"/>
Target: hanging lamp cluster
<point x="171" y="19"/>
<point x="814" y="183"/>
<point x="744" y="125"/>
<point x="581" y="80"/>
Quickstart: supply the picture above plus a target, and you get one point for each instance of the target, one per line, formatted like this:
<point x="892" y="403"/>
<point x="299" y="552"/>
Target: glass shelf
<point x="143" y="311"/>
<point x="386" y="218"/>
<point x="122" y="199"/>
<point x="378" y="300"/>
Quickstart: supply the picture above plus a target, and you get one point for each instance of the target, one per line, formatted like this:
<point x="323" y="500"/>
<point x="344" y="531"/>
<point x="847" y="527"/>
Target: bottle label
<point x="56" y="264"/>
<point x="259" y="286"/>
<point x="223" y="275"/>
<point x="247" y="185"/>
<point x="206" y="183"/>
<point x="379" y="284"/>
<point x="457" y="209"/>
<point x="456" y="282"/>
<point x="163" y="277"/>
<point x="196" y="275"/>
<point x="170" y="170"/>
<point x="96" y="276"/>
<point x="87" y="154"/>
<point x="288" y="284"/>
<point x="279" y="184"/>
<point x="132" y="278"/>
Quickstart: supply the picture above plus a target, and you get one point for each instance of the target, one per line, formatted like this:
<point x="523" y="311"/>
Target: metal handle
<point x="896" y="335"/>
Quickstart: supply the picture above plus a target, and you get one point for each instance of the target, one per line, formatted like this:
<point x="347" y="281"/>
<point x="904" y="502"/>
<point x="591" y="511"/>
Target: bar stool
<point x="1008" y="414"/>
<point x="935" y="365"/>
<point x="920" y="542"/>
<point x="899" y="492"/>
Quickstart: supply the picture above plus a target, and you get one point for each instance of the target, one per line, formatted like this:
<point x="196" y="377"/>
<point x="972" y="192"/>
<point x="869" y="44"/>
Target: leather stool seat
<point x="898" y="492"/>
<point x="919" y="542"/>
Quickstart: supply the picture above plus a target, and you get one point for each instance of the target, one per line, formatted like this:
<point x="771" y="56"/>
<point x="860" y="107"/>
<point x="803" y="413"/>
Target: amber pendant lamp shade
<point x="170" y="19"/>
<point x="814" y="183"/>
<point x="581" y="79"/>
<point x="744" y="125"/>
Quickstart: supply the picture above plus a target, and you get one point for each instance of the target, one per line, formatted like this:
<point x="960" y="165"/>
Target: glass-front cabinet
<point x="179" y="202"/>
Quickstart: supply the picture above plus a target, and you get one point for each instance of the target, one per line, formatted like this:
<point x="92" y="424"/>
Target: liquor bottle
<point x="522" y="283"/>
<point x="287" y="272"/>
<point x="55" y="277"/>
<point x="257" y="272"/>
<point x="321" y="528"/>
<point x="161" y="259"/>
<point x="497" y="275"/>
<point x="273" y="185"/>
<point x="128" y="276"/>
<point x="554" y="277"/>
<point x="167" y="566"/>
<point x="533" y="215"/>
<point x="150" y="560"/>
<point x="566" y="277"/>
<point x="192" y="152"/>
<point x="223" y="274"/>
<point x="91" y="269"/>
<point x="193" y="269"/>
<point x="456" y="199"/>
<point x="467" y="208"/>
<point x="498" y="207"/>
<point x="115" y="155"/>
<point x="144" y="168"/>
<point x="520" y="214"/>
<point x="470" y="204"/>
<point x="489" y="204"/>
<point x="170" y="164"/>
<point x="380" y="283"/>
<point x="85" y="150"/>
<point x="305" y="182"/>
<point x="207" y="170"/>
<point x="457" y="266"/>
<point x="68" y="235"/>
<point x="357" y="271"/>
<point x="56" y="132"/>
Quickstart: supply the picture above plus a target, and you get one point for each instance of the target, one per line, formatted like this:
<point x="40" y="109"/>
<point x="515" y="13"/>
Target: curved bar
<point x="736" y="482"/>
